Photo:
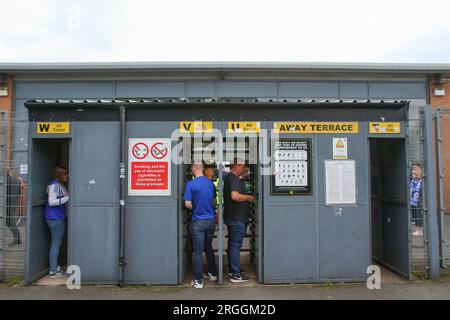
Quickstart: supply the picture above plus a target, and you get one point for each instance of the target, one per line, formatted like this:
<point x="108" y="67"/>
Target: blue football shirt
<point x="201" y="192"/>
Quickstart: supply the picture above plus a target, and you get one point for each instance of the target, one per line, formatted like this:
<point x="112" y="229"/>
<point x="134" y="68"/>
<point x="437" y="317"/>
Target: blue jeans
<point x="57" y="233"/>
<point x="202" y="233"/>
<point x="236" y="233"/>
<point x="417" y="215"/>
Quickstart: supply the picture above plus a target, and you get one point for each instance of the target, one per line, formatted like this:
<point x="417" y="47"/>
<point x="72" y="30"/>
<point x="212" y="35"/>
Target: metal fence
<point x="442" y="126"/>
<point x="13" y="187"/>
<point x="416" y="180"/>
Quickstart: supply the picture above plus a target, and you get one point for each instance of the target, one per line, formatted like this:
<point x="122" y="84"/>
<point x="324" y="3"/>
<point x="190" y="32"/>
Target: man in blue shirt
<point x="200" y="197"/>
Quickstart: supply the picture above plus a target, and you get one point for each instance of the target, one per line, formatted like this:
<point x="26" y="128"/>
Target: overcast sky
<point x="225" y="30"/>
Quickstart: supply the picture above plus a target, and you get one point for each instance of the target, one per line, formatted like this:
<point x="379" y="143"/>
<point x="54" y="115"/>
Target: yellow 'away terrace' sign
<point x="315" y="127"/>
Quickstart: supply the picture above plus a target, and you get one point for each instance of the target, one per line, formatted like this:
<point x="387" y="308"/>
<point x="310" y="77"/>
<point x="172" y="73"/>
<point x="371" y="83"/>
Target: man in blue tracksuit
<point x="55" y="214"/>
<point x="200" y="197"/>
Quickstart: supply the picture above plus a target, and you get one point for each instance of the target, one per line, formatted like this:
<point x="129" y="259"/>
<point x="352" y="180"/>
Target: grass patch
<point x="16" y="281"/>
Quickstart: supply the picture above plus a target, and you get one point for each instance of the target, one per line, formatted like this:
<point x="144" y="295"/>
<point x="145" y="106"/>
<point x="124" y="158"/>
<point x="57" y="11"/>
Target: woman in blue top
<point x="415" y="189"/>
<point x="55" y="214"/>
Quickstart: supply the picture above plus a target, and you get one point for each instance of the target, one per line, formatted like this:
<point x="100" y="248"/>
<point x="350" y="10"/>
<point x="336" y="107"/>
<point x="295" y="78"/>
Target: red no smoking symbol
<point x="140" y="150"/>
<point x="158" y="150"/>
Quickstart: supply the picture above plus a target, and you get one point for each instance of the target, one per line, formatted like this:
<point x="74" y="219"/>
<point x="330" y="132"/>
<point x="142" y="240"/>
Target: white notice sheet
<point x="340" y="182"/>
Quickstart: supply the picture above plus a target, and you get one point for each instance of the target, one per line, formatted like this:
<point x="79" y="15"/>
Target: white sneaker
<point x="197" y="284"/>
<point x="210" y="276"/>
<point x="60" y="269"/>
<point x="57" y="274"/>
<point x="418" y="233"/>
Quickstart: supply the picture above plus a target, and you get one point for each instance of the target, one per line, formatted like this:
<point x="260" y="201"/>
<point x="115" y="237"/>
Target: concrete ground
<point x="393" y="287"/>
<point x="392" y="291"/>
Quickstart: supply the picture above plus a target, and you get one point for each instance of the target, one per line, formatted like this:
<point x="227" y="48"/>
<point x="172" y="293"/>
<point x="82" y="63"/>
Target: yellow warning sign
<point x="53" y="127"/>
<point x="340" y="150"/>
<point x="384" y="127"/>
<point x="244" y="127"/>
<point x="339" y="144"/>
<point x="196" y="127"/>
<point x="316" y="127"/>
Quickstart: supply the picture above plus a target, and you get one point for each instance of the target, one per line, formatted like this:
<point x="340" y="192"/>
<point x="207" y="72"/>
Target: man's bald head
<point x="197" y="166"/>
<point x="197" y="169"/>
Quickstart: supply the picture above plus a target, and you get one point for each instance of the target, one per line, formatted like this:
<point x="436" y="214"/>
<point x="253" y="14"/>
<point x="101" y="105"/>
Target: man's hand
<point x="251" y="198"/>
<point x="188" y="204"/>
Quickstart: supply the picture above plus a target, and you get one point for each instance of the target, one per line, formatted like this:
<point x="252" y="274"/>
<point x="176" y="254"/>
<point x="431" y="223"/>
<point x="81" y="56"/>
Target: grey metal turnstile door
<point x="151" y="226"/>
<point x="343" y="229"/>
<point x="41" y="166"/>
<point x="184" y="240"/>
<point x="259" y="213"/>
<point x="182" y="225"/>
<point x="393" y="243"/>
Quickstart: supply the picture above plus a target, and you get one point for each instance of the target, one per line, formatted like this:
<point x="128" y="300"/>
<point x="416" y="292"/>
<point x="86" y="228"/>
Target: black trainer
<point x="230" y="274"/>
<point x="240" y="278"/>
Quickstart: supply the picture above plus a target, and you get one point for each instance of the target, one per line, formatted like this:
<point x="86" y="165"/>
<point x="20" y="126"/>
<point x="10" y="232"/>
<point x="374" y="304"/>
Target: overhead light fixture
<point x="3" y="88"/>
<point x="439" y="92"/>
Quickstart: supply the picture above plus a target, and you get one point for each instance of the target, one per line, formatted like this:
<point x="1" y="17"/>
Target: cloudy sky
<point x="225" y="30"/>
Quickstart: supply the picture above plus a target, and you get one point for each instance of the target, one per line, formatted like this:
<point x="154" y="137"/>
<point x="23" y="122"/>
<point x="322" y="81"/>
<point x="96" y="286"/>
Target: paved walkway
<point x="439" y="289"/>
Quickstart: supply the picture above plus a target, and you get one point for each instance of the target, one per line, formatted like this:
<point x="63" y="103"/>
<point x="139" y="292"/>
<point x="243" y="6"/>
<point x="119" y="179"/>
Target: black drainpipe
<point x="122" y="196"/>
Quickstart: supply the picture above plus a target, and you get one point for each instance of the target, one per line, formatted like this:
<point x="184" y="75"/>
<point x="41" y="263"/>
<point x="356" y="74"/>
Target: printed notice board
<point x="291" y="166"/>
<point x="340" y="182"/>
<point x="149" y="167"/>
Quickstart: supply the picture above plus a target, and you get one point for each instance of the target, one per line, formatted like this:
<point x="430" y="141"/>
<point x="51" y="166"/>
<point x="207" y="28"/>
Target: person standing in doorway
<point x="211" y="175"/>
<point x="14" y="189"/>
<point x="200" y="197"/>
<point x="415" y="189"/>
<point x="236" y="215"/>
<point x="55" y="215"/>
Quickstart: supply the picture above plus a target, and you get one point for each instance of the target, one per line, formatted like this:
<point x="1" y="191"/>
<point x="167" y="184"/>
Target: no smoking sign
<point x="149" y="167"/>
<point x="159" y="150"/>
<point x="140" y="150"/>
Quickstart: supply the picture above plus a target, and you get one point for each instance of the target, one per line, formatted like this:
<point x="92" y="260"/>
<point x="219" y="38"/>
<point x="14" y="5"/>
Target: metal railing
<point x="442" y="140"/>
<point x="418" y="231"/>
<point x="13" y="176"/>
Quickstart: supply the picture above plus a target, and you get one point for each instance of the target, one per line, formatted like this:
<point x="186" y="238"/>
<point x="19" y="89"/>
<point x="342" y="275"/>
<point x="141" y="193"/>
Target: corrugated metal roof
<point x="226" y="66"/>
<point x="212" y="100"/>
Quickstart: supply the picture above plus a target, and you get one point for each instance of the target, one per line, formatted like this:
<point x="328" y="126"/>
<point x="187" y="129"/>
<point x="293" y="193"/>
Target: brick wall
<point x="6" y="104"/>
<point x="444" y="102"/>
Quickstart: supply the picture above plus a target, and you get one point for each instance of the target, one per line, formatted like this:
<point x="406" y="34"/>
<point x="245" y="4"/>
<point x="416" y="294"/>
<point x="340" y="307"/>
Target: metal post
<point x="220" y="244"/>
<point x="122" y="262"/>
<point x="430" y="183"/>
<point x="220" y="161"/>
<point x="3" y="193"/>
<point x="440" y="187"/>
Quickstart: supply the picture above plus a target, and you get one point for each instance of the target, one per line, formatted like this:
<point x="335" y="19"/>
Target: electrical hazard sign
<point x="340" y="148"/>
<point x="149" y="167"/>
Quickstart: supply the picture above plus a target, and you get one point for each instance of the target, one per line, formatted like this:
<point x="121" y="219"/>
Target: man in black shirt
<point x="236" y="214"/>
